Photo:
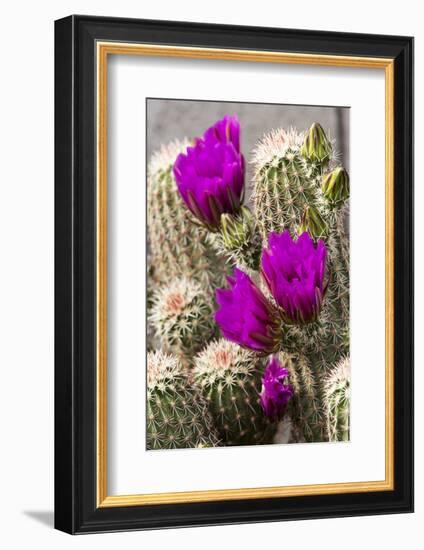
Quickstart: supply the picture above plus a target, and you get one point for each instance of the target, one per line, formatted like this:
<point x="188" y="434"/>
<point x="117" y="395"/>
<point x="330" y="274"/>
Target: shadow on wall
<point x="46" y="517"/>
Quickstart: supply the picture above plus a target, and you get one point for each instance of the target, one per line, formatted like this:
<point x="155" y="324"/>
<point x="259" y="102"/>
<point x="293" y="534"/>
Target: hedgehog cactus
<point x="285" y="184"/>
<point x="287" y="296"/>
<point x="210" y="179"/>
<point x="177" y="246"/>
<point x="296" y="189"/>
<point x="337" y="393"/>
<point x="229" y="378"/>
<point x="289" y="318"/>
<point x="177" y="416"/>
<point x="182" y="318"/>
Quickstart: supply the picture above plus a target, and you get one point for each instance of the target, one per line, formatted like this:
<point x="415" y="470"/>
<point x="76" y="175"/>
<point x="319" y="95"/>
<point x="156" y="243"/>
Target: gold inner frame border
<point x="103" y="50"/>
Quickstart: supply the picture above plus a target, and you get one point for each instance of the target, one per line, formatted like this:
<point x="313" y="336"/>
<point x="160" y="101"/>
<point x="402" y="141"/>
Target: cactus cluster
<point x="291" y="191"/>
<point x="230" y="378"/>
<point x="281" y="370"/>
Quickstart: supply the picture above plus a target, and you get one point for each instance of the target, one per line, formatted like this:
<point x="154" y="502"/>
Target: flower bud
<point x="276" y="390"/>
<point x="335" y="186"/>
<point x="236" y="229"/>
<point x="313" y="223"/>
<point x="316" y="146"/>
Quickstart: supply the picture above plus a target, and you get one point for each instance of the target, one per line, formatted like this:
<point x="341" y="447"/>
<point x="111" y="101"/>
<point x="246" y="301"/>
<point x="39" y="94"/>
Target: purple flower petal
<point x="226" y="130"/>
<point x="245" y="316"/>
<point x="294" y="272"/>
<point x="276" y="391"/>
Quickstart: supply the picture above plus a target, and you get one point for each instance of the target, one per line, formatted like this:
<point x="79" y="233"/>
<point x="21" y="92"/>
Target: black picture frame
<point x="76" y="510"/>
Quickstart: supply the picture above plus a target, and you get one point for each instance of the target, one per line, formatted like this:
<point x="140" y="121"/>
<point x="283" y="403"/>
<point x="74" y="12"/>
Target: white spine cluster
<point x="275" y="145"/>
<point x="182" y="317"/>
<point x="165" y="156"/>
<point x="161" y="369"/>
<point x="223" y="360"/>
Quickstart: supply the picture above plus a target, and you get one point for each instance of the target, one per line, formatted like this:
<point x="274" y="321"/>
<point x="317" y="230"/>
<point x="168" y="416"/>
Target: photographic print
<point x="247" y="274"/>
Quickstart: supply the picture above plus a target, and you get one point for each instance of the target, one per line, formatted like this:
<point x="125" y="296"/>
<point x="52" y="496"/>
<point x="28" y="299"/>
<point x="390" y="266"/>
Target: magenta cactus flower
<point x="294" y="272"/>
<point x="245" y="316"/>
<point x="276" y="391"/>
<point x="226" y="130"/>
<point x="210" y="175"/>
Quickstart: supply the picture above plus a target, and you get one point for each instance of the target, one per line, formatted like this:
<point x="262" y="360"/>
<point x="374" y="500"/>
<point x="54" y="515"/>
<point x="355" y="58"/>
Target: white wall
<point x="26" y="272"/>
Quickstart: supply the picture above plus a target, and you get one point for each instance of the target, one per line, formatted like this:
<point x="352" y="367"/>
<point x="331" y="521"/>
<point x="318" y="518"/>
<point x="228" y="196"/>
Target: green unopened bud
<point x="335" y="186"/>
<point x="313" y="223"/>
<point x="316" y="146"/>
<point x="236" y="230"/>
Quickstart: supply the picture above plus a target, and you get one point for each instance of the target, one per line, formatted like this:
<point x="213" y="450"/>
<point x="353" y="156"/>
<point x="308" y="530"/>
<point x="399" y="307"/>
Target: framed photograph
<point x="234" y="274"/>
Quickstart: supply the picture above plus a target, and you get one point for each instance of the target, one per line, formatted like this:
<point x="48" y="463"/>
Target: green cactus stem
<point x="177" y="416"/>
<point x="308" y="409"/>
<point x="285" y="183"/>
<point x="337" y="396"/>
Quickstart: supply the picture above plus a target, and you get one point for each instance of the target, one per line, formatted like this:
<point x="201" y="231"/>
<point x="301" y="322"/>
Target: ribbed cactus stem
<point x="307" y="407"/>
<point x="337" y="396"/>
<point x="177" y="416"/>
<point x="230" y="380"/>
<point x="285" y="183"/>
<point x="338" y="297"/>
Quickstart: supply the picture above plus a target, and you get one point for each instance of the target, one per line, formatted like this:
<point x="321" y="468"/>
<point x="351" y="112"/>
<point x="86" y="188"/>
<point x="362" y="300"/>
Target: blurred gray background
<point x="169" y="119"/>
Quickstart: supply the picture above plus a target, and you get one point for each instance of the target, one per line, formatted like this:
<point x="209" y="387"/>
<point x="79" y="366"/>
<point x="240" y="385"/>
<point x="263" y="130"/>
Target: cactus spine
<point x="288" y="194"/>
<point x="182" y="318"/>
<point x="177" y="416"/>
<point x="229" y="378"/>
